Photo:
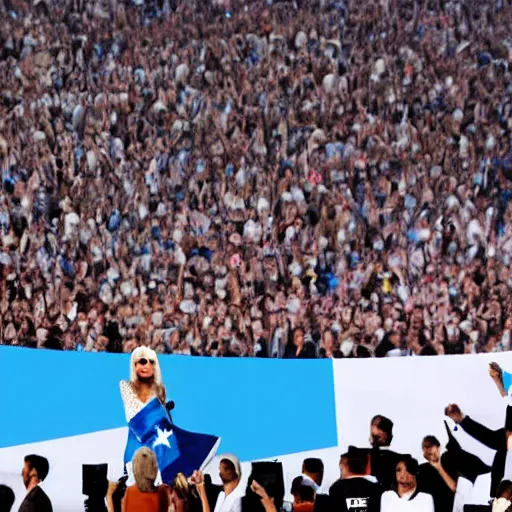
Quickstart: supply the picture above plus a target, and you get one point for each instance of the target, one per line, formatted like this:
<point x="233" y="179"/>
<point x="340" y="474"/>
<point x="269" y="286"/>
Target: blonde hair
<point x="183" y="493"/>
<point x="149" y="354"/>
<point x="181" y="487"/>
<point x="145" y="469"/>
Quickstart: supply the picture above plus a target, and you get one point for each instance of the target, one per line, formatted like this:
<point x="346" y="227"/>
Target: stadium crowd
<point x="323" y="178"/>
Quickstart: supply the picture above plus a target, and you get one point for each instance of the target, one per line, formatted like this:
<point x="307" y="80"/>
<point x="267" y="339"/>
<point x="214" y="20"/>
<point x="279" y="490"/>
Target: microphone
<point x="169" y="406"/>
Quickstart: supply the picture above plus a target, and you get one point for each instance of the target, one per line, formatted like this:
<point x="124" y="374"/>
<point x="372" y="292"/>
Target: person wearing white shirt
<point x="230" y="499"/>
<point x="406" y="497"/>
<point x="313" y="473"/>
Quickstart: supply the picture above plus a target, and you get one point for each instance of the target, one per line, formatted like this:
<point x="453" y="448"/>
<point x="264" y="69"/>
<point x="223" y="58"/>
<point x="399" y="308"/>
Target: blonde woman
<point x="145" y="384"/>
<point x="187" y="498"/>
<point x="149" y="424"/>
<point x="145" y="495"/>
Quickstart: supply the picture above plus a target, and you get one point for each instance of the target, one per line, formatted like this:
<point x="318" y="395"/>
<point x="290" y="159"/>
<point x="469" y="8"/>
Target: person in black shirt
<point x="494" y="439"/>
<point x="383" y="460"/>
<point x="437" y="477"/>
<point x="34" y="472"/>
<point x="6" y="498"/>
<point x="298" y="347"/>
<point x="354" y="492"/>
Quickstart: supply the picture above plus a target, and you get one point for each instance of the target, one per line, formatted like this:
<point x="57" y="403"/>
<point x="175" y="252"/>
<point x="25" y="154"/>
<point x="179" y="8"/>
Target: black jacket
<point x="355" y="495"/>
<point x="431" y="482"/>
<point x="383" y="463"/>
<point x="36" y="501"/>
<point x="494" y="439"/>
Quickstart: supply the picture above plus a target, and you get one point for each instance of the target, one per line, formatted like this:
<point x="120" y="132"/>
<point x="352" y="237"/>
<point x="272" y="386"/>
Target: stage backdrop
<point x="67" y="407"/>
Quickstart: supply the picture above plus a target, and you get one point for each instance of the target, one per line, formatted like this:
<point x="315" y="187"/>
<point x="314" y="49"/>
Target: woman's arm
<point x="112" y="486"/>
<point x="508" y="460"/>
<point x="448" y="480"/>
<point x="266" y="501"/>
<point x="198" y="480"/>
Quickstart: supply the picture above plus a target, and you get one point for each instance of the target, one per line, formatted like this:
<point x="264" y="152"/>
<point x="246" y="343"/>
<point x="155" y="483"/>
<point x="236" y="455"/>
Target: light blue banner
<point x="260" y="408"/>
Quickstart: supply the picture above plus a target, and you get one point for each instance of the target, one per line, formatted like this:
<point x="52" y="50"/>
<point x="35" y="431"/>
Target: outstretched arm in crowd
<point x="496" y="375"/>
<point x="266" y="501"/>
<point x="198" y="480"/>
<point x="448" y="480"/>
<point x="494" y="439"/>
<point x="508" y="461"/>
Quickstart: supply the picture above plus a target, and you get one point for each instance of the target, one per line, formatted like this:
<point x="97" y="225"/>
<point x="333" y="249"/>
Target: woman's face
<point x="404" y="478"/>
<point x="24" y="327"/>
<point x="145" y="368"/>
<point x="298" y="337"/>
<point x="328" y="340"/>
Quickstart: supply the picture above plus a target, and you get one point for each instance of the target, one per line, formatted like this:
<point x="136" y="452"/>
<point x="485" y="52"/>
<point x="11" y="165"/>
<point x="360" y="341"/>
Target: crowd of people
<point x="371" y="480"/>
<point x="158" y="476"/>
<point x="322" y="178"/>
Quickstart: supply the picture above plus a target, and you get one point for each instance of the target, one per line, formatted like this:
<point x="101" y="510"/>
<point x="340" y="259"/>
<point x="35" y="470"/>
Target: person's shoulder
<point x="426" y="467"/>
<point x="360" y="482"/>
<point x="393" y="454"/>
<point x="126" y="387"/>
<point x="389" y="496"/>
<point x="424" y="496"/>
<point x="423" y="500"/>
<point x="369" y="486"/>
<point x="164" y="492"/>
<point x="337" y="484"/>
<point x="41" y="499"/>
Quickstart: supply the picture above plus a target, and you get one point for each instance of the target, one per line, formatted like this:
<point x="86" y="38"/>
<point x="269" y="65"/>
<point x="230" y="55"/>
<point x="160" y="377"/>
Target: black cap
<point x="94" y="476"/>
<point x="466" y="464"/>
<point x="354" y="452"/>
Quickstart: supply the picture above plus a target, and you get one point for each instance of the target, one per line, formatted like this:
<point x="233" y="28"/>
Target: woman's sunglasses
<point x="144" y="362"/>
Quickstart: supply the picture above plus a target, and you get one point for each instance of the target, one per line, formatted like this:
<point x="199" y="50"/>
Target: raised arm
<point x="496" y="374"/>
<point x="266" y="501"/>
<point x="198" y="480"/>
<point x="493" y="439"/>
<point x="508" y="460"/>
<point x="448" y="480"/>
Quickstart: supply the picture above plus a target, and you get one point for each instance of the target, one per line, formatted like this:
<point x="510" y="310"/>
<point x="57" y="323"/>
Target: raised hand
<point x="453" y="412"/>
<point x="495" y="372"/>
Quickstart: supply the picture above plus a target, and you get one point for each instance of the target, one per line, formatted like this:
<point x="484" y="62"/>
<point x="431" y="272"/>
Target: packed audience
<point x="372" y="479"/>
<point x="376" y="479"/>
<point x="322" y="178"/>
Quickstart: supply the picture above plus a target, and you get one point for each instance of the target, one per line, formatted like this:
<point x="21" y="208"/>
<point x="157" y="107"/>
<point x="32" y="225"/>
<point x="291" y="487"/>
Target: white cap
<point x="234" y="460"/>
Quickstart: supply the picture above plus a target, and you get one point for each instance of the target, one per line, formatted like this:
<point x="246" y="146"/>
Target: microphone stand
<point x="169" y="406"/>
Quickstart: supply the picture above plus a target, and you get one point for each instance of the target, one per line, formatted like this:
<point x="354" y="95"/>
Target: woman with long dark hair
<point x="406" y="497"/>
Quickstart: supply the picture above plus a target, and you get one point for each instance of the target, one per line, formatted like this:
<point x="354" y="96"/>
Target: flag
<point x="177" y="450"/>
<point x="507" y="382"/>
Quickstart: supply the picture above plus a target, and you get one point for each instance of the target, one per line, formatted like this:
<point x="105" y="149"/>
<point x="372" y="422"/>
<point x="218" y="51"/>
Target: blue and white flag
<point x="507" y="382"/>
<point x="177" y="450"/>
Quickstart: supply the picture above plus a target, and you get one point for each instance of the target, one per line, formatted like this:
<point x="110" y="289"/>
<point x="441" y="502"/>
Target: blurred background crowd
<point x="321" y="178"/>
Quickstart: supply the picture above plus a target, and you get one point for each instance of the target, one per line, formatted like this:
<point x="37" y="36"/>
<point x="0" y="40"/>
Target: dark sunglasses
<point x="144" y="362"/>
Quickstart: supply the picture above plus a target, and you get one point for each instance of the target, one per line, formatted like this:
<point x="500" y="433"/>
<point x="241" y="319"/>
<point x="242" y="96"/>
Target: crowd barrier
<point x="67" y="407"/>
